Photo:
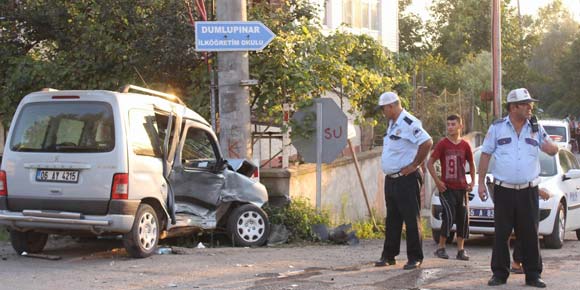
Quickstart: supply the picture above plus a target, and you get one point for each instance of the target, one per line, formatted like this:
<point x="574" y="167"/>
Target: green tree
<point x="558" y="30"/>
<point x="569" y="76"/>
<point x="412" y="34"/>
<point x="460" y="28"/>
<point x="303" y="63"/>
<point x="89" y="44"/>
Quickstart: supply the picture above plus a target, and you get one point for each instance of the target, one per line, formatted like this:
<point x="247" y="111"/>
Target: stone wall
<point x="342" y="195"/>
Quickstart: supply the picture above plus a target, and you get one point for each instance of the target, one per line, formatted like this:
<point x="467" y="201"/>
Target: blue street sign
<point x="231" y="35"/>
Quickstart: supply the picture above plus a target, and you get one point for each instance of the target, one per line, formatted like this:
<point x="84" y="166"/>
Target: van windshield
<point x="558" y="133"/>
<point x="64" y="127"/>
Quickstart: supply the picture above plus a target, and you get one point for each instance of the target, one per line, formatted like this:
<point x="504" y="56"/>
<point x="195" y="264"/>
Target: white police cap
<point x="520" y="95"/>
<point x="388" y="98"/>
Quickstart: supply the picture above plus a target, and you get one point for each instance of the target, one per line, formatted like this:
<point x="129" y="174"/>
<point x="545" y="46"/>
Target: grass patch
<point x="4" y="235"/>
<point x="298" y="216"/>
<point x="365" y="229"/>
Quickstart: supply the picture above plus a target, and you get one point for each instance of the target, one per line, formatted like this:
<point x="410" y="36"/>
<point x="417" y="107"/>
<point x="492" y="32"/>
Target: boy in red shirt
<point x="453" y="152"/>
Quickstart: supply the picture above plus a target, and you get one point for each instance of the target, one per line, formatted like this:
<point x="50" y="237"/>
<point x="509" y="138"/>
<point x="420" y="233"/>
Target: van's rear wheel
<point x="30" y="242"/>
<point x="248" y="226"/>
<point x="141" y="241"/>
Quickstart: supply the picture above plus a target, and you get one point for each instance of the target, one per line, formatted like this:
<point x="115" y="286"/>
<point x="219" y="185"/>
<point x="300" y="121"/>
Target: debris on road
<point x="41" y="256"/>
<point x="279" y="234"/>
<point x="164" y="251"/>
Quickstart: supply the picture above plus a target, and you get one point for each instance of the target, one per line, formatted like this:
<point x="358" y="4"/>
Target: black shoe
<point x="462" y="256"/>
<point x="538" y="283"/>
<point x="495" y="281"/>
<point x="441" y="253"/>
<point x="385" y="262"/>
<point x="412" y="265"/>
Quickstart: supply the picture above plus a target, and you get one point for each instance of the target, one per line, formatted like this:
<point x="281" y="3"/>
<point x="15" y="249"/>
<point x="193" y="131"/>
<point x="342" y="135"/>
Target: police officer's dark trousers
<point x="402" y="196"/>
<point x="517" y="210"/>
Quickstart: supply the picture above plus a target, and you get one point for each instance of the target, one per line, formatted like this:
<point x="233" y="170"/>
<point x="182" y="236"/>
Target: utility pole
<point x="234" y="105"/>
<point x="496" y="55"/>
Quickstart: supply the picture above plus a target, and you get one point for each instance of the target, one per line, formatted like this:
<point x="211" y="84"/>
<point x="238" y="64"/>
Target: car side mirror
<point x="221" y="165"/>
<point x="571" y="174"/>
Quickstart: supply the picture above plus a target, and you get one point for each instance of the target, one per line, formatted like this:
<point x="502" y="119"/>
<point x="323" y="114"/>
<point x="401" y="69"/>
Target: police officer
<point x="405" y="147"/>
<point x="515" y="142"/>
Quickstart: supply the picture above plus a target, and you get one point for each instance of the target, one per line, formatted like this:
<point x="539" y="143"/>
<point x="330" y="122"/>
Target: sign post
<point x="328" y="140"/>
<point x="231" y="36"/>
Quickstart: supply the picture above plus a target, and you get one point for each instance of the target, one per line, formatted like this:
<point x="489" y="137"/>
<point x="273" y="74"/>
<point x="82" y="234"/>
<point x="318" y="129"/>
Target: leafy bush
<point x="298" y="216"/>
<point x="3" y="234"/>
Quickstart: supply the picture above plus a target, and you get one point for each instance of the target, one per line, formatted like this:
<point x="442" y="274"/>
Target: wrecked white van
<point x="141" y="165"/>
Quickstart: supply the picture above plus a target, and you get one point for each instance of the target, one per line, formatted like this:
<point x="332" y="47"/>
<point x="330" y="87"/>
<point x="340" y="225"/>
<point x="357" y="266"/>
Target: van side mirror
<point x="221" y="165"/>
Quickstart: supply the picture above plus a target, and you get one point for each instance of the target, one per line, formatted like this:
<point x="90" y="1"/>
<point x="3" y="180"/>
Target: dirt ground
<point x="105" y="265"/>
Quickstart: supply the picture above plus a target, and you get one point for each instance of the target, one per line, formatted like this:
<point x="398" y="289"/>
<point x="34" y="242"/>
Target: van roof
<point x="553" y="122"/>
<point x="105" y="95"/>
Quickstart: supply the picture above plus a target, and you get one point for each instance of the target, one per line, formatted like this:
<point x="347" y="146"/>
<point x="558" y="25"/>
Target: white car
<point x="559" y="131"/>
<point x="560" y="177"/>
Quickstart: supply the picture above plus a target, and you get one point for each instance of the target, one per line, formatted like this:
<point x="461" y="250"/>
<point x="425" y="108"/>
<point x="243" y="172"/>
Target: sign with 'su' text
<point x="334" y="131"/>
<point x="231" y="35"/>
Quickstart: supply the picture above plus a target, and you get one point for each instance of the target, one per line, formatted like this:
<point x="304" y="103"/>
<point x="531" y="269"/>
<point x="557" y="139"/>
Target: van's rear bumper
<point x="112" y="223"/>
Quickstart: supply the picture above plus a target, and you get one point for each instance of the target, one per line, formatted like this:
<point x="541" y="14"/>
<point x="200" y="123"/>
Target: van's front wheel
<point x="248" y="226"/>
<point x="141" y="241"/>
<point x="30" y="242"/>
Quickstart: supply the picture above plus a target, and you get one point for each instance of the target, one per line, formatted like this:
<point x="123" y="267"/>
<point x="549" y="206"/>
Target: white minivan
<point x="559" y="131"/>
<point x="141" y="165"/>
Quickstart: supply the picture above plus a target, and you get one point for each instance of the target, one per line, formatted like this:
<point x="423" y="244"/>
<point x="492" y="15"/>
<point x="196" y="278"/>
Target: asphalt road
<point x="105" y="265"/>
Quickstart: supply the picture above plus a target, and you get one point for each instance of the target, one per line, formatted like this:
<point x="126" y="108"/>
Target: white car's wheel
<point x="141" y="241"/>
<point x="555" y="240"/>
<point x="248" y="226"/>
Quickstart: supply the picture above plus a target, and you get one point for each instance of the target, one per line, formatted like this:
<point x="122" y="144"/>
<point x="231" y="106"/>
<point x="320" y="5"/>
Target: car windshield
<point x="64" y="127"/>
<point x="547" y="163"/>
<point x="557" y="133"/>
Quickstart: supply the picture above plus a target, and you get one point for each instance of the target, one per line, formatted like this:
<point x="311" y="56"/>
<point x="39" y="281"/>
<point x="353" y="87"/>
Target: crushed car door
<point x="197" y="174"/>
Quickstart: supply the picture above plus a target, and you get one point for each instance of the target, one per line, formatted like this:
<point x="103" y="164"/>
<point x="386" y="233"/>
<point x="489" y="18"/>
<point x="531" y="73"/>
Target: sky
<point x="530" y="7"/>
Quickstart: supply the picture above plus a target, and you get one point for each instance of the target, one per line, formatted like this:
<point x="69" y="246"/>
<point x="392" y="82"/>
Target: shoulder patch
<point x="408" y="120"/>
<point x="498" y="121"/>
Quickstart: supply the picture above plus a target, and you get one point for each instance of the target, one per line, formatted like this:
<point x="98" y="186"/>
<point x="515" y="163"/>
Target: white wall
<point x="388" y="32"/>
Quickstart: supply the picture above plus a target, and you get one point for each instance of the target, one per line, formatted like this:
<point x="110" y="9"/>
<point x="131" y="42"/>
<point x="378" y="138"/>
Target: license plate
<point x="481" y="212"/>
<point x="69" y="176"/>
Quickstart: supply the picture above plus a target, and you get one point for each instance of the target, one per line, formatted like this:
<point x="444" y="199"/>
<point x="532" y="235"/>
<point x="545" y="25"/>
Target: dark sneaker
<point x="462" y="256"/>
<point x="385" y="262"/>
<point x="440" y="253"/>
<point x="412" y="265"/>
<point x="538" y="283"/>
<point x="496" y="281"/>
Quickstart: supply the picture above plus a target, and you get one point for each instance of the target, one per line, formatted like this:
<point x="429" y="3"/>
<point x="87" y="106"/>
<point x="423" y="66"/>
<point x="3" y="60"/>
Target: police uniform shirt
<point x="516" y="157"/>
<point x="401" y="142"/>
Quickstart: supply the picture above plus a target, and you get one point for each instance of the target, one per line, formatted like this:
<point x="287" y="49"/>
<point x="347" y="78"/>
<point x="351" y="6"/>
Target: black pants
<point x="402" y="196"/>
<point x="517" y="210"/>
<point x="454" y="203"/>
